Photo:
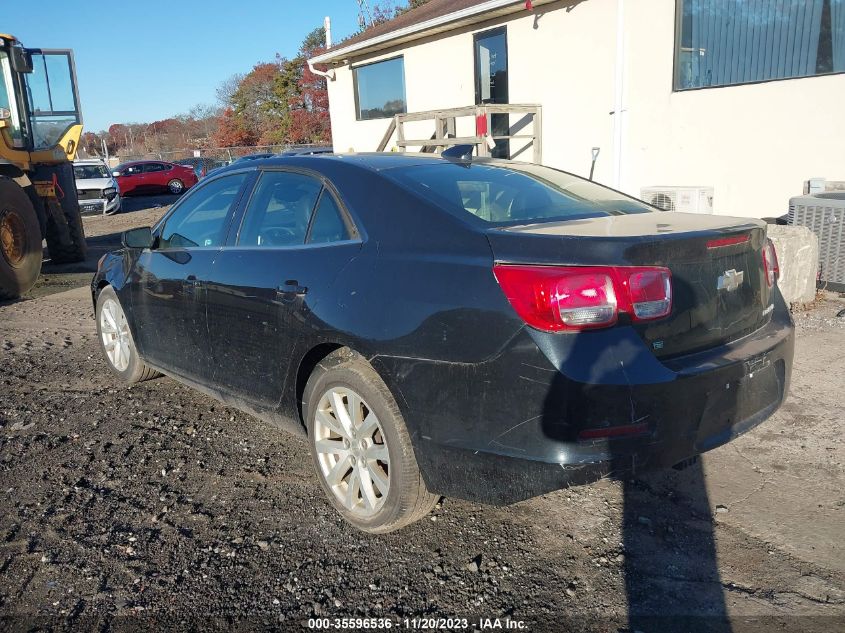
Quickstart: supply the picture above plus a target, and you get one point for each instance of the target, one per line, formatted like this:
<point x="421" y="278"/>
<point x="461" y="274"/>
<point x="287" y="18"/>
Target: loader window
<point x="52" y="97"/>
<point x="9" y="101"/>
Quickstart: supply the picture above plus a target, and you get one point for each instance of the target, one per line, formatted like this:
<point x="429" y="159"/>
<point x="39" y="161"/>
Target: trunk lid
<point x="719" y="286"/>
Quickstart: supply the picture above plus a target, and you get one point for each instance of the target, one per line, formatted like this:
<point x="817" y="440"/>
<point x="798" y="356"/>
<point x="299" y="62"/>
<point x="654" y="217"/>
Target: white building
<point x="746" y="97"/>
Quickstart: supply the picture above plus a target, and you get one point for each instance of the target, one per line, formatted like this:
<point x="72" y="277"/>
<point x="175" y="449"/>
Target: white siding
<point x="755" y="144"/>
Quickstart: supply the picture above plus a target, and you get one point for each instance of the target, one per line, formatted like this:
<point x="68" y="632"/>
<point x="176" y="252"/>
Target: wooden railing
<point x="445" y="124"/>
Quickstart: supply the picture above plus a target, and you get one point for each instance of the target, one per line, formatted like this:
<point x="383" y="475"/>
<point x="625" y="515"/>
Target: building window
<point x="380" y="89"/>
<point x="724" y="42"/>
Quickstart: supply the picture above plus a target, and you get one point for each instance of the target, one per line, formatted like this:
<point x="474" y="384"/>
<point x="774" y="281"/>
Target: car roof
<point x="374" y="161"/>
<point x="89" y="161"/>
<point x="257" y="155"/>
<point x="297" y="151"/>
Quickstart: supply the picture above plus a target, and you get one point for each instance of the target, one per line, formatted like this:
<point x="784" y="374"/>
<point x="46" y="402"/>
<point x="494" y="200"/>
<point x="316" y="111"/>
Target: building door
<point x="491" y="81"/>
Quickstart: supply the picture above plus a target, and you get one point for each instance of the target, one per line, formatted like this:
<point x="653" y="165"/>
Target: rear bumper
<point x="511" y="428"/>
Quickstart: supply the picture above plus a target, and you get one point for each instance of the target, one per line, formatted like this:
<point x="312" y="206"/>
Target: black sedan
<point x="437" y="326"/>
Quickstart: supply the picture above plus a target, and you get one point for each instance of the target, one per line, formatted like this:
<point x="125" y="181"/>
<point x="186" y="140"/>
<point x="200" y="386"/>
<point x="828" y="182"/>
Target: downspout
<point x="327" y="26"/>
<point x="619" y="96"/>
<point x="329" y="74"/>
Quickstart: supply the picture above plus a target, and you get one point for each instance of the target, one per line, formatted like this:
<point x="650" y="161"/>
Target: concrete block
<point x="797" y="248"/>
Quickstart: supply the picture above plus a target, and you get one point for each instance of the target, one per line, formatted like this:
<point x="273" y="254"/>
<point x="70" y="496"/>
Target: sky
<point x="148" y="60"/>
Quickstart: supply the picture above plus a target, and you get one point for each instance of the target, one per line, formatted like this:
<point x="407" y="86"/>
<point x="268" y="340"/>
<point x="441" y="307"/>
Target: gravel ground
<point x="154" y="506"/>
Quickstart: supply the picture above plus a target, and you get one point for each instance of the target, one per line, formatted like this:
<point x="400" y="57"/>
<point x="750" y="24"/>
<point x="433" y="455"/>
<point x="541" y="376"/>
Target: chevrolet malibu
<point x="482" y="329"/>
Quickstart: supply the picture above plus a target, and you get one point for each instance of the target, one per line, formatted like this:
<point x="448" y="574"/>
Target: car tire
<point x="20" y="241"/>
<point x="175" y="186"/>
<point x="378" y="450"/>
<point x="116" y="340"/>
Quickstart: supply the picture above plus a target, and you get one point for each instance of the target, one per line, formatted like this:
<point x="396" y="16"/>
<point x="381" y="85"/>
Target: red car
<point x="148" y="176"/>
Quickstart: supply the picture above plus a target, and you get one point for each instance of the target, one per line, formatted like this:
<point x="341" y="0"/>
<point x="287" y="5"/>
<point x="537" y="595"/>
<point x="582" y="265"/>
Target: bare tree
<point x="227" y="89"/>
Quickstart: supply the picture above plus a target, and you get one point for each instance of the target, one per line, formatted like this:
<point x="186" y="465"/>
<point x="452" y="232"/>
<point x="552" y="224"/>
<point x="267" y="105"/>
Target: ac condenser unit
<point x="682" y="199"/>
<point x="824" y="215"/>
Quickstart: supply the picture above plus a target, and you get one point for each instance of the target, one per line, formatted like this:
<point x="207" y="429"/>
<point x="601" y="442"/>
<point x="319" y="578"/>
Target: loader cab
<point x="39" y="101"/>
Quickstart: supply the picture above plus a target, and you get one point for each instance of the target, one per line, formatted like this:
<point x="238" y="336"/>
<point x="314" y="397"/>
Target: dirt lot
<point x="157" y="507"/>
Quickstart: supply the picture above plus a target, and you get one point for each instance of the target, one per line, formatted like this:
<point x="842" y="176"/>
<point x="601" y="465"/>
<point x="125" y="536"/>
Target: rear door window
<point x="327" y="225"/>
<point x="279" y="210"/>
<point x="200" y="220"/>
<point x="150" y="167"/>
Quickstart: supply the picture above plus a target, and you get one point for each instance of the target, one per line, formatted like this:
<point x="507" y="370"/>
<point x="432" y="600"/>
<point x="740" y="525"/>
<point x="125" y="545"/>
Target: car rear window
<point x="508" y="194"/>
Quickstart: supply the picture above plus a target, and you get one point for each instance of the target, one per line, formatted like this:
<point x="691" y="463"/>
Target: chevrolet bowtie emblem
<point x="730" y="281"/>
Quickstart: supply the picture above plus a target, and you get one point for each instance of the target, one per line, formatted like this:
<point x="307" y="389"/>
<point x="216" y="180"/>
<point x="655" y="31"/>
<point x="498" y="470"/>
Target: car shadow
<point x="671" y="570"/>
<point x="669" y="560"/>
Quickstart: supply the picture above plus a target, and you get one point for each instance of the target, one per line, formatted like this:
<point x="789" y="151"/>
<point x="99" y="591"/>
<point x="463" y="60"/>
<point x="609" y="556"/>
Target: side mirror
<point x="115" y="174"/>
<point x="137" y="238"/>
<point x="20" y="59"/>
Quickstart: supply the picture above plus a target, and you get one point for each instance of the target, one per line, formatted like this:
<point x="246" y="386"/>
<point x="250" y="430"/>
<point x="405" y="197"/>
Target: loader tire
<point x="20" y="241"/>
<point x="60" y="251"/>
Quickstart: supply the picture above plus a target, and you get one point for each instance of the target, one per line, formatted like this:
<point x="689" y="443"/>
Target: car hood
<point x="95" y="183"/>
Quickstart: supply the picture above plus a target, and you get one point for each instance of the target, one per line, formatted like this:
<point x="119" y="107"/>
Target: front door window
<point x="200" y="220"/>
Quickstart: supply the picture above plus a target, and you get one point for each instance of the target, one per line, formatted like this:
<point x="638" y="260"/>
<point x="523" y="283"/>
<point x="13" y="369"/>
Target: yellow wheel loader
<point x="40" y="127"/>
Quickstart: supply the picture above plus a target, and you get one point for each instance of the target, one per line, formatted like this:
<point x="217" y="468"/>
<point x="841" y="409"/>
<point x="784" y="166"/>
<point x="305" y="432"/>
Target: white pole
<point x="619" y="96"/>
<point x="327" y="26"/>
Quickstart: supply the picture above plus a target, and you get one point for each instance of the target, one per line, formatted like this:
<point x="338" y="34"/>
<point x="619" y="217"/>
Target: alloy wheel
<point x="351" y="451"/>
<point x="175" y="186"/>
<point x="114" y="331"/>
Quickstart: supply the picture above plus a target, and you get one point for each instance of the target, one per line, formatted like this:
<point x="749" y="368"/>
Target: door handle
<point x="190" y="285"/>
<point x="291" y="289"/>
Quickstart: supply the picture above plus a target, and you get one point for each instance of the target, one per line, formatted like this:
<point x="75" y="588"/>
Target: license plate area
<point x="91" y="207"/>
<point x="741" y="398"/>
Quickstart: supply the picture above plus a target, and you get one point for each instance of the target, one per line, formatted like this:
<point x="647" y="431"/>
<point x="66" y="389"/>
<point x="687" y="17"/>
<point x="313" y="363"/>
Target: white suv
<point x="96" y="188"/>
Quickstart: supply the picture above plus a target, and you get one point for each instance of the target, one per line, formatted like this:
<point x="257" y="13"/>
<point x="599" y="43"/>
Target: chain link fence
<point x="223" y="155"/>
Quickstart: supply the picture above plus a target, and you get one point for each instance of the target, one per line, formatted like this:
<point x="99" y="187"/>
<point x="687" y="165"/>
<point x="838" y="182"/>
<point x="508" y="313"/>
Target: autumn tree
<point x="91" y="144"/>
<point x="232" y="132"/>
<point x="255" y="106"/>
<point x="308" y="102"/>
<point x="277" y="102"/>
<point x="388" y="9"/>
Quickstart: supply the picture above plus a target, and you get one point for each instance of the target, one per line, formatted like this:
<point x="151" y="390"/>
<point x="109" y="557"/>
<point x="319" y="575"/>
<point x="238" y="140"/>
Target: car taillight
<point x="770" y="263"/>
<point x="572" y="298"/>
<point x="650" y="290"/>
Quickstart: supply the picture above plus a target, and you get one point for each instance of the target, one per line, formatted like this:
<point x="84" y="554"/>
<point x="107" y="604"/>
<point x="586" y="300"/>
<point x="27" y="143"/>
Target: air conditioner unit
<point x="682" y="199"/>
<point x="824" y="215"/>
